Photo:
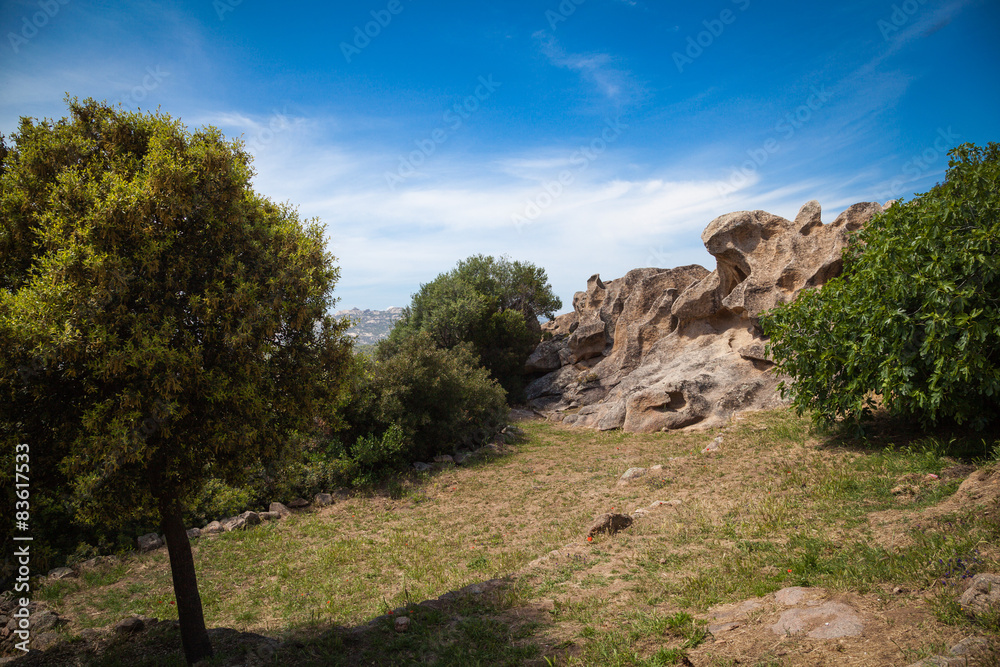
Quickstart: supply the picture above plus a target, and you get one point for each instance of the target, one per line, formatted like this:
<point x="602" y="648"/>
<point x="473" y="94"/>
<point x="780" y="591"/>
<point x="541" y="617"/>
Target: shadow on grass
<point x="885" y="432"/>
<point x="461" y="628"/>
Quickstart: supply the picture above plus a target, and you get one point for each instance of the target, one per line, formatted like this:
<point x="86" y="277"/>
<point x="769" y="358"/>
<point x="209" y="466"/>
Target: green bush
<point x="410" y="402"/>
<point x="913" y="322"/>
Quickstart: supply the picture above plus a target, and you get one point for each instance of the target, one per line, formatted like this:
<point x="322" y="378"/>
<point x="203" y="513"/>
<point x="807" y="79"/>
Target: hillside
<point x="761" y="543"/>
<point x="371" y="325"/>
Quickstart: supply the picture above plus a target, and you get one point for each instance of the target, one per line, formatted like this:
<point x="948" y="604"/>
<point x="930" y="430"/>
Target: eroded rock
<point x="664" y="349"/>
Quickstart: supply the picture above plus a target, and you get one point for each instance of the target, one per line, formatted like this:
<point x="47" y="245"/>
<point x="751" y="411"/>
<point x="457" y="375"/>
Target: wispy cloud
<point x="600" y="70"/>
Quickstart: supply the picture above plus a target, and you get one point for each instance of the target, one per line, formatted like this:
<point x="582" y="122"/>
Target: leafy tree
<point x="493" y="304"/>
<point x="914" y="320"/>
<point x="162" y="323"/>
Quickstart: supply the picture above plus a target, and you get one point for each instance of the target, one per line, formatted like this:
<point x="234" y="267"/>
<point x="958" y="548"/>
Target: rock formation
<point x="665" y="349"/>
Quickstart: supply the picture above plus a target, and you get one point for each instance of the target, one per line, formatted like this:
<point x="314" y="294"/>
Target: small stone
<point x="44" y="620"/>
<point x="193" y="533"/>
<point x="268" y="516"/>
<point x="713" y="446"/>
<point x="663" y="561"/>
<point x="402" y="624"/>
<point x="982" y="596"/>
<point x="213" y="528"/>
<point x="322" y="499"/>
<point x="279" y="509"/>
<point x="971" y="646"/>
<point x="610" y="524"/>
<point x="299" y="503"/>
<point x="149" y="542"/>
<point x="62" y="573"/>
<point x="898" y="590"/>
<point x="719" y="628"/>
<point x="630" y="474"/>
<point x="128" y="626"/>
<point x="660" y="503"/>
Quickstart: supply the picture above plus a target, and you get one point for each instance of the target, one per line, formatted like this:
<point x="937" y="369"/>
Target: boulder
<point x="193" y="533"/>
<point x="268" y="516"/>
<point x="241" y="522"/>
<point x="298" y="503"/>
<point x="322" y="499"/>
<point x="149" y="542"/>
<point x="663" y="349"/>
<point x="829" y="620"/>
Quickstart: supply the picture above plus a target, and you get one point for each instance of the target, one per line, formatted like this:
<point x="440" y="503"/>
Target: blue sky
<point x="585" y="136"/>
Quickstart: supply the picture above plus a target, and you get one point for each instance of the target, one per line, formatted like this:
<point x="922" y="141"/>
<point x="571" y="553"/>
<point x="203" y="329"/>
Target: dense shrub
<point x="914" y="320"/>
<point x="412" y="401"/>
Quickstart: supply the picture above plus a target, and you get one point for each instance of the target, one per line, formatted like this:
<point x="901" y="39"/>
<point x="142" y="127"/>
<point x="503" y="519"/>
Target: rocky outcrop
<point x="664" y="349"/>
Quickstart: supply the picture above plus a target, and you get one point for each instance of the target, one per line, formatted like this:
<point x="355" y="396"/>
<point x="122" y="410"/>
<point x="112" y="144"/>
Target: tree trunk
<point x="194" y="635"/>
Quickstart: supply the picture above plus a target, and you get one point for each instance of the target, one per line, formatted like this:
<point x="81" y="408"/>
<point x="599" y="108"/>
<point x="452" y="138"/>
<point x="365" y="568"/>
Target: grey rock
<point x="719" y="628"/>
<point x="193" y="533"/>
<point x="402" y="624"/>
<point x="44" y="620"/>
<point x="322" y="499"/>
<point x="43" y="641"/>
<point x="268" y="516"/>
<point x="829" y="620"/>
<point x="444" y="460"/>
<point x="971" y="647"/>
<point x="128" y="626"/>
<point x="298" y="503"/>
<point x="149" y="542"/>
<point x="420" y="466"/>
<point x="213" y="528"/>
<point x="793" y="595"/>
<point x="982" y="596"/>
<point x="631" y="474"/>
<point x="62" y="573"/>
<point x="279" y="509"/>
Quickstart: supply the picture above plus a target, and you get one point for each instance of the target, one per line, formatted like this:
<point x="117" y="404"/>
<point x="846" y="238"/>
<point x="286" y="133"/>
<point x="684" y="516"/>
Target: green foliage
<point x="492" y="304"/>
<point x="162" y="323"/>
<point x="914" y="320"/>
<point x="412" y="401"/>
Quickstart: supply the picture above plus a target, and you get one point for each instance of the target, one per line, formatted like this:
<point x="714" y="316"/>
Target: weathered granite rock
<point x="322" y="499"/>
<point x="213" y="528"/>
<point x="279" y="509"/>
<point x="982" y="596"/>
<point x="149" y="542"/>
<point x="662" y="349"/>
<point x="62" y="573"/>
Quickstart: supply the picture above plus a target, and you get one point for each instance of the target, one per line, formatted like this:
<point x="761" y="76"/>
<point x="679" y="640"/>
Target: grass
<point x="780" y="505"/>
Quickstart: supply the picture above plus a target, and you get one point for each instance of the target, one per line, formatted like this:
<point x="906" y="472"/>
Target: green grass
<point x="780" y="505"/>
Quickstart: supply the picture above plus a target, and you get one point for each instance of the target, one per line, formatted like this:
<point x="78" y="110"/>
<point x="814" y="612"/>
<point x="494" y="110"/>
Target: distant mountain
<point x="370" y="326"/>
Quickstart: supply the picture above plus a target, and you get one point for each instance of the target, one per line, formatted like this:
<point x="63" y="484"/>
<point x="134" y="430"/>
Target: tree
<point x="914" y="320"/>
<point x="494" y="304"/>
<point x="162" y="323"/>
